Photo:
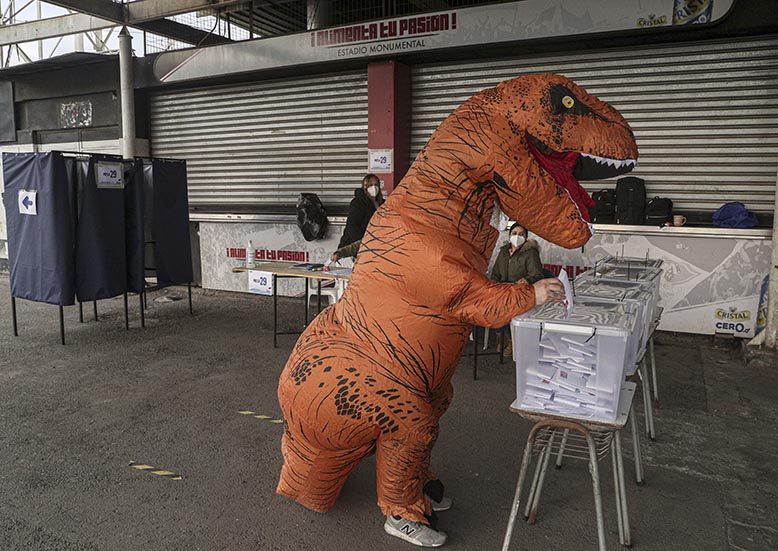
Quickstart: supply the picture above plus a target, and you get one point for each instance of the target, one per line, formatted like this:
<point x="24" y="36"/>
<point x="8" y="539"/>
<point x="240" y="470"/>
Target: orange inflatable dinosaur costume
<point x="371" y="374"/>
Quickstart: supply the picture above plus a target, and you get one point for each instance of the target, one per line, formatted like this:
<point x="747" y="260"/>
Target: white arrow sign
<point x="28" y="203"/>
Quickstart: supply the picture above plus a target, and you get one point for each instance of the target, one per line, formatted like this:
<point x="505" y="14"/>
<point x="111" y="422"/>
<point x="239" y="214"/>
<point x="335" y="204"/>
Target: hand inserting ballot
<point x="548" y="290"/>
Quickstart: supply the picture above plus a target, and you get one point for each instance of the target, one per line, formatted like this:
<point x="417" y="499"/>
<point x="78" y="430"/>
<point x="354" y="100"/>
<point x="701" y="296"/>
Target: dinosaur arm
<point x="476" y="300"/>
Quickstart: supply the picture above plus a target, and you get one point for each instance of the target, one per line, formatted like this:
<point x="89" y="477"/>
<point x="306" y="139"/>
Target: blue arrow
<point x="26" y="202"/>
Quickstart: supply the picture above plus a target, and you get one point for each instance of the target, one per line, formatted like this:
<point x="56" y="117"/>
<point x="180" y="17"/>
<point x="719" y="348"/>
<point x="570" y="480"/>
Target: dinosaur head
<point x="552" y="134"/>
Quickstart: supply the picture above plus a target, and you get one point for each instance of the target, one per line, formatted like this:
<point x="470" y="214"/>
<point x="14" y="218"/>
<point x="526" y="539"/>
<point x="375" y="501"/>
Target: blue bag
<point x="734" y="215"/>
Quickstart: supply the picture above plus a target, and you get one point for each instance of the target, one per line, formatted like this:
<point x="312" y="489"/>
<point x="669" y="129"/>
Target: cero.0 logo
<point x="732" y="320"/>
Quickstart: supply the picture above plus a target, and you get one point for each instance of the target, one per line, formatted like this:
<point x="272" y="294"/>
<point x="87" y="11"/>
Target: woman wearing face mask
<point x="518" y="259"/>
<point x="366" y="201"/>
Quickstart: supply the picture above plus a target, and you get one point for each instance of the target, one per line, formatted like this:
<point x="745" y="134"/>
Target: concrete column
<point x="127" y="94"/>
<point x="40" y="16"/>
<point x="389" y="116"/>
<point x="771" y="329"/>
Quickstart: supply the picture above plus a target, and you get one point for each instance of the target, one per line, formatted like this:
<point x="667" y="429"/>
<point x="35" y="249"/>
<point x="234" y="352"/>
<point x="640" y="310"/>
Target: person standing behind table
<point x="366" y="201"/>
<point x="517" y="259"/>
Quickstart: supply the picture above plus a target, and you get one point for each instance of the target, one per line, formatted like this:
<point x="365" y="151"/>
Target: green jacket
<point x="523" y="264"/>
<point x="349" y="250"/>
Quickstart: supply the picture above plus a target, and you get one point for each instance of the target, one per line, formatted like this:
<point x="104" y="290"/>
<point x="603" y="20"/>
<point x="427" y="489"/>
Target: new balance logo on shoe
<point x="414" y="532"/>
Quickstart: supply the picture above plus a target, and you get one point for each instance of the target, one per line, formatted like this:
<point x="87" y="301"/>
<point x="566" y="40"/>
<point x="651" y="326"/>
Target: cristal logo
<point x="733" y="315"/>
<point x="652" y="21"/>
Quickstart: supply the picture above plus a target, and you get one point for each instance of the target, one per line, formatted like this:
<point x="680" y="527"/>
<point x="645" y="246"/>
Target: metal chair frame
<point x="582" y="440"/>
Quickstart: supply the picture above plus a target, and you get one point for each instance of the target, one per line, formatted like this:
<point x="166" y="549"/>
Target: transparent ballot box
<point x="627" y="273"/>
<point x="614" y="291"/>
<point x="631" y="262"/>
<point x="615" y="285"/>
<point x="574" y="365"/>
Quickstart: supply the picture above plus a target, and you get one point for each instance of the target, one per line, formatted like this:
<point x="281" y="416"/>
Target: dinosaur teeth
<point x="616" y="163"/>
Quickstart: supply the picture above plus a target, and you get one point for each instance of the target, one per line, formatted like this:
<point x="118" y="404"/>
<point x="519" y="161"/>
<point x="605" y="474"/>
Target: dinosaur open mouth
<point x="568" y="167"/>
<point x="587" y="166"/>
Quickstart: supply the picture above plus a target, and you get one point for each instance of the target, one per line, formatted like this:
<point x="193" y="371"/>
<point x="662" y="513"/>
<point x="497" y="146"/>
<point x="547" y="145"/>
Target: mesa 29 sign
<point x="109" y="175"/>
<point x="260" y="283"/>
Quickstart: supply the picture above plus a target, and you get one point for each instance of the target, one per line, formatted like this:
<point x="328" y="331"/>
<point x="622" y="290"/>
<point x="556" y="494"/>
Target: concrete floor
<point x="74" y="418"/>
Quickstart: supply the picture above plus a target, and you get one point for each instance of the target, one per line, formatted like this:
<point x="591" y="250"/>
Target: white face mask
<point x="372" y="191"/>
<point x="517" y="240"/>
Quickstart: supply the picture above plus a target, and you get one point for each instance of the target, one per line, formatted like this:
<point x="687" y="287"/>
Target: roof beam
<point x="104" y="9"/>
<point x="141" y="10"/>
<point x="149" y="10"/>
<point x="81" y="22"/>
<point x="51" y="28"/>
<point x="182" y="33"/>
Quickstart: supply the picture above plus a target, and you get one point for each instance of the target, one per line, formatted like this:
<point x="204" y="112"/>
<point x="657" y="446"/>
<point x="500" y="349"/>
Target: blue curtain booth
<point x="92" y="226"/>
<point x="170" y="222"/>
<point x="134" y="225"/>
<point x="101" y="256"/>
<point x="38" y="207"/>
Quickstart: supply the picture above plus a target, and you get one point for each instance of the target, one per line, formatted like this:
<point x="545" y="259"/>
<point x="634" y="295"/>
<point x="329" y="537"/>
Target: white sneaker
<point x="414" y="532"/>
<point x="444" y="504"/>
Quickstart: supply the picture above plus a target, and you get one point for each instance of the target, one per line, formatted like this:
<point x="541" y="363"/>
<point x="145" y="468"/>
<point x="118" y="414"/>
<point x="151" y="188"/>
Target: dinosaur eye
<point x="568" y="102"/>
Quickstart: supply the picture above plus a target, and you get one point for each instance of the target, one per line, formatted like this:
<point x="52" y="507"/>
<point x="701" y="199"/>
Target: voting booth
<point x="87" y="227"/>
<point x="167" y="207"/>
<point x="40" y="223"/>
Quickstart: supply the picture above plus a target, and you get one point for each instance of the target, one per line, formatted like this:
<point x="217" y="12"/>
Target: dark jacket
<point x="360" y="211"/>
<point x="523" y="264"/>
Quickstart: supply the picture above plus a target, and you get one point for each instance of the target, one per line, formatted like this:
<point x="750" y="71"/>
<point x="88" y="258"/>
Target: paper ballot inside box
<point x="568" y="302"/>
<point x="573" y="363"/>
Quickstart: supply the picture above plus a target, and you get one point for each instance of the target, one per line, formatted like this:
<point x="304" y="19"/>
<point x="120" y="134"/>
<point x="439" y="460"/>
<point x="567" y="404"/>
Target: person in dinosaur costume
<point x="371" y="374"/>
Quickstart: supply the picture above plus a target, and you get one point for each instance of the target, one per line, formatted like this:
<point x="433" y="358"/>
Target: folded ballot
<point x="572" y="362"/>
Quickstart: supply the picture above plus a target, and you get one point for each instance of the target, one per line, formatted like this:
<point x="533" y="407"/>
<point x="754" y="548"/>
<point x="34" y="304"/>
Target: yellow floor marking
<point x="143" y="467"/>
<point x="267" y="418"/>
<point x="163" y="473"/>
<point x="176" y="478"/>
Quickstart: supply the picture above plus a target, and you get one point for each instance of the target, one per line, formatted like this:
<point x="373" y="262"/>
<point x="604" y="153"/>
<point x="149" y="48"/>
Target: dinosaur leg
<point x="440" y="406"/>
<point x="313" y="476"/>
<point x="402" y="465"/>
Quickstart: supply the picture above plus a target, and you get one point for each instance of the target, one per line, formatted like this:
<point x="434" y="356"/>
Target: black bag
<point x="631" y="201"/>
<point x="311" y="216"/>
<point x="658" y="211"/>
<point x="604" y="209"/>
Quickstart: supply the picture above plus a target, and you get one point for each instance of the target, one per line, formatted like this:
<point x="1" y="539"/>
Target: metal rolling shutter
<point x="705" y="114"/>
<point x="265" y="142"/>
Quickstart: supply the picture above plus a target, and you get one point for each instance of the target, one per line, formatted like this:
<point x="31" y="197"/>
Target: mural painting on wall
<point x="223" y="247"/>
<point x="709" y="285"/>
